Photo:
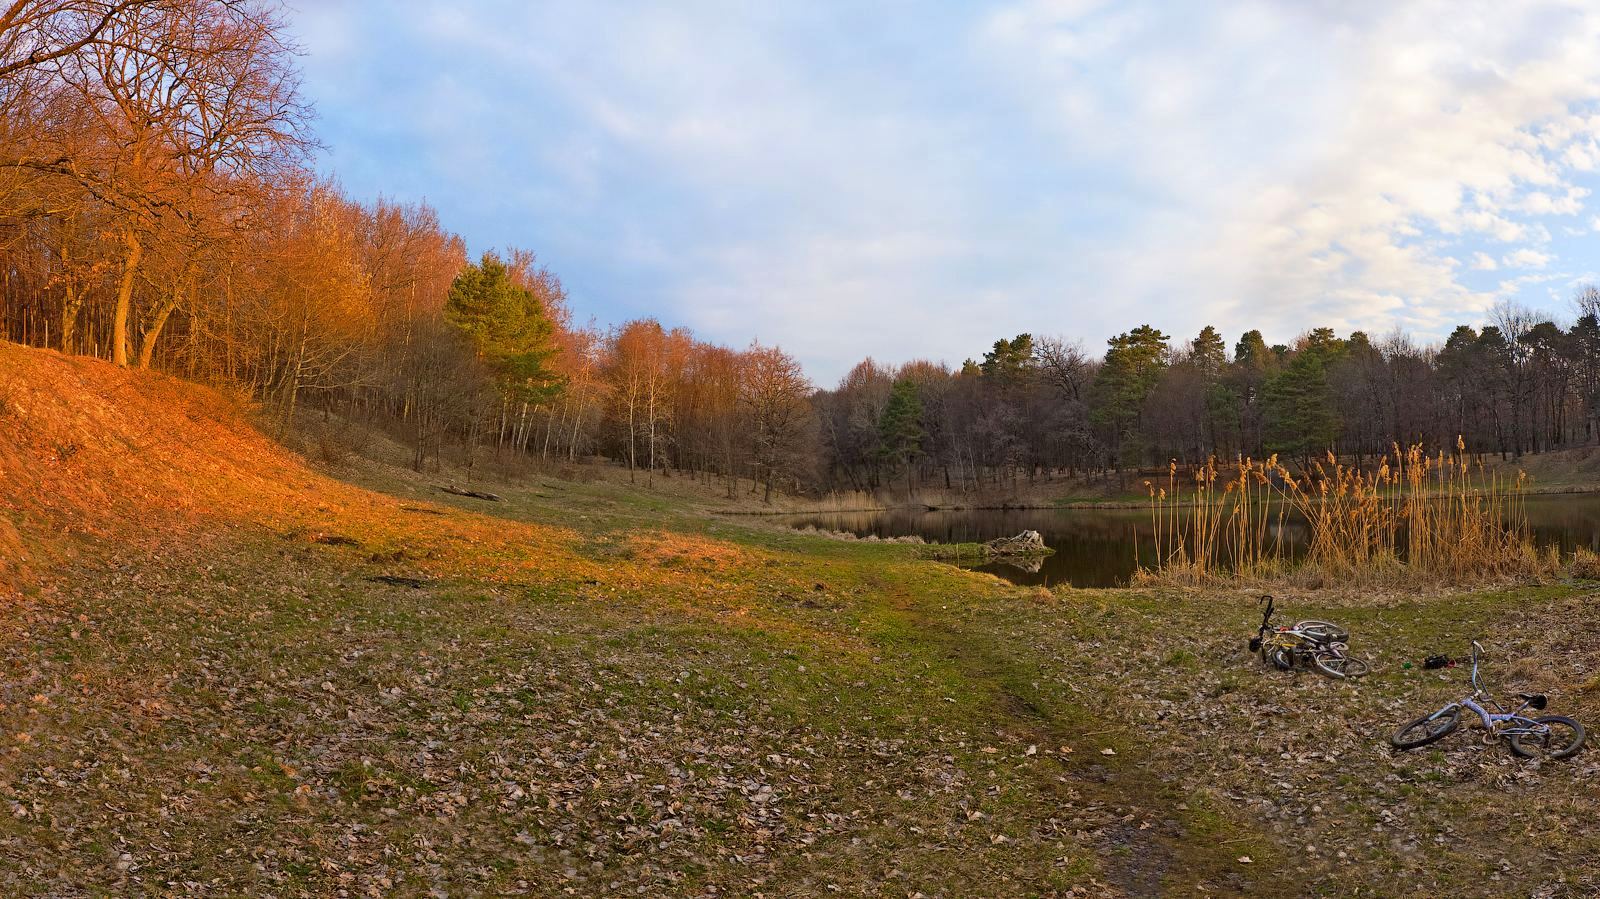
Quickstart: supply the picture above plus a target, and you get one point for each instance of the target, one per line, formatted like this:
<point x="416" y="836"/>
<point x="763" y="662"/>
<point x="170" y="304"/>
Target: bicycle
<point x="1313" y="643"/>
<point x="1548" y="736"/>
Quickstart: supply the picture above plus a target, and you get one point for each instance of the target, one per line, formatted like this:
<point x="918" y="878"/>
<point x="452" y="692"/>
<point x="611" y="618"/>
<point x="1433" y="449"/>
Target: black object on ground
<point x="475" y="494"/>
<point x="395" y="580"/>
<point x="337" y="540"/>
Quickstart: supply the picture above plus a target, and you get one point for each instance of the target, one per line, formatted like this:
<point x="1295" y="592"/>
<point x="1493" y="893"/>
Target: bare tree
<point x="34" y="33"/>
<point x="1065" y="365"/>
<point x="1587" y="301"/>
<point x="168" y="102"/>
<point x="775" y="399"/>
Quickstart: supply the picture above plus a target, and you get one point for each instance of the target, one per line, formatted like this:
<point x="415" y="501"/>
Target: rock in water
<point x="1026" y="543"/>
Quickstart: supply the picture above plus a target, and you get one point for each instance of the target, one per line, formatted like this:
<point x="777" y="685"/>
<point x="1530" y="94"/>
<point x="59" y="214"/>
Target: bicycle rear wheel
<point x="1322" y="630"/>
<point x="1562" y="738"/>
<point x="1425" y="730"/>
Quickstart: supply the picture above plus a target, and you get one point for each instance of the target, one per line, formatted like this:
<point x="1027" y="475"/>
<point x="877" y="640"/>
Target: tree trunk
<point x="289" y="403"/>
<point x="633" y="430"/>
<point x="119" y="320"/>
<point x="69" y="315"/>
<point x="650" y="478"/>
<point x="147" y="344"/>
<point x="572" y="447"/>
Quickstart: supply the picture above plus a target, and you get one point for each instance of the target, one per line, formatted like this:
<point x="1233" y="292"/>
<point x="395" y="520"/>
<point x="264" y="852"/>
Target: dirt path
<point x="1140" y="830"/>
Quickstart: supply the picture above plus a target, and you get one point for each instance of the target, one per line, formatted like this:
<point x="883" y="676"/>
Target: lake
<point x="1100" y="547"/>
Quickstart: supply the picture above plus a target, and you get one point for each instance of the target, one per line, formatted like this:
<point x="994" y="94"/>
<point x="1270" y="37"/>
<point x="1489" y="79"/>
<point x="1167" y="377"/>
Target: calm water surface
<point x="1100" y="547"/>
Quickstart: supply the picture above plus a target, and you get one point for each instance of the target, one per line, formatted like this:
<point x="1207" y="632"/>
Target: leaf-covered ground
<point x="598" y="691"/>
<point x="672" y="712"/>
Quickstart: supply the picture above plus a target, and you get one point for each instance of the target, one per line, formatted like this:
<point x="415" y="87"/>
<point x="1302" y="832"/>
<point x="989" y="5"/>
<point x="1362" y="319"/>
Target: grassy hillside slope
<point x="587" y="690"/>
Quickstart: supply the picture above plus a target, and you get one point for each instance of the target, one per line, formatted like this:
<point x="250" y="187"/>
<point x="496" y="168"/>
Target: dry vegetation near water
<point x="606" y="692"/>
<point x="1414" y="521"/>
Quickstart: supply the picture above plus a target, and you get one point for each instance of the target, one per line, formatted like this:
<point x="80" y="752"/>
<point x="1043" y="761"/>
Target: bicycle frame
<point x="1491" y="719"/>
<point x="1287" y="636"/>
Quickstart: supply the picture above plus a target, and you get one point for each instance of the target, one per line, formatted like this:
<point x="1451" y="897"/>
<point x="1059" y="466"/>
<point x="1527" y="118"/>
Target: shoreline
<point x="1069" y="506"/>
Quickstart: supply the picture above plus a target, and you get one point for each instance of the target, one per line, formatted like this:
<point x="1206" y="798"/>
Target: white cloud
<point x="847" y="179"/>
<point x="1512" y="287"/>
<point x="1527" y="258"/>
<point x="1452" y="119"/>
<point x="1541" y="203"/>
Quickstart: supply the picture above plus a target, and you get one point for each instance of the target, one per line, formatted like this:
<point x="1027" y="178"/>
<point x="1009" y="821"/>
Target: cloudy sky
<point x="915" y="179"/>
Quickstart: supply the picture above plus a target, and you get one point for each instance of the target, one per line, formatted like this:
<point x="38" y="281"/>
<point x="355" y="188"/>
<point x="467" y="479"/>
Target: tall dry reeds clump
<point x="1437" y="518"/>
<point x="1585" y="564"/>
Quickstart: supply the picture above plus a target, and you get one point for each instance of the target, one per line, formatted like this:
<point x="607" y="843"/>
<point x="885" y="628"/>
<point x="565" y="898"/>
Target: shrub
<point x="1586" y="565"/>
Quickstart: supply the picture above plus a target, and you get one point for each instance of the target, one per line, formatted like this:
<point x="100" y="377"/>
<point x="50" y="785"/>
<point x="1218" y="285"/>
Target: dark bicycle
<point x="1320" y="645"/>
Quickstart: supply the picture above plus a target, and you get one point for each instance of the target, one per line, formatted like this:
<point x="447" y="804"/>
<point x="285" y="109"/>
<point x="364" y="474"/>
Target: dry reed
<point x="1415" y="517"/>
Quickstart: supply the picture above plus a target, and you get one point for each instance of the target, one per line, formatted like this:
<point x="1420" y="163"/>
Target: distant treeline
<point x="158" y="209"/>
<point x="1033" y="407"/>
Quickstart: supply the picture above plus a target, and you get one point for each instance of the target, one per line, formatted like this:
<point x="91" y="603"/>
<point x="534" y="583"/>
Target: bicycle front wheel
<point x="1340" y="666"/>
<point x="1425" y="730"/>
<point x="1279" y="657"/>
<point x="1560" y="737"/>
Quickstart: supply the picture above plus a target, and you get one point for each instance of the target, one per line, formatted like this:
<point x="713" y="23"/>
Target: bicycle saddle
<point x="1537" y="700"/>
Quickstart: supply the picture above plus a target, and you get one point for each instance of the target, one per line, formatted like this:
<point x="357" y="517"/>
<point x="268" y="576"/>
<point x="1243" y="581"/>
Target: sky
<point x="910" y="180"/>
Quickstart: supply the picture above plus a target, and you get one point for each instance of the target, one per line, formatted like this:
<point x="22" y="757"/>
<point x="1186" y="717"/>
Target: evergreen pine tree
<point x="508" y="326"/>
<point x="900" y="432"/>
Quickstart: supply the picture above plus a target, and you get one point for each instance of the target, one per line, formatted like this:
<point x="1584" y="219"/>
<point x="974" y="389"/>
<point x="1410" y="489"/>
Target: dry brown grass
<point x="159" y="465"/>
<point x="1586" y="565"/>
<point x="13" y="560"/>
<point x="662" y="549"/>
<point x="157" y="461"/>
<point x="1414" y="519"/>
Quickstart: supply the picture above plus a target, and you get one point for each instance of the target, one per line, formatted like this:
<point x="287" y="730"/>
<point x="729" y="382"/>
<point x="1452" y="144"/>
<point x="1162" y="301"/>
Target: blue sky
<point x="914" y="180"/>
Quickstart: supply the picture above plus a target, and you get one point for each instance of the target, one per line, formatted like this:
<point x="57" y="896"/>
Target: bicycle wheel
<point x="1341" y="666"/>
<point x="1322" y="630"/>
<point x="1427" y="729"/>
<point x="1561" y="739"/>
<point x="1279" y="657"/>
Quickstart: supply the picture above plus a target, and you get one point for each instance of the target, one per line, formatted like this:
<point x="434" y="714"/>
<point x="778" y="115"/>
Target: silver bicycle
<point x="1547" y="736"/>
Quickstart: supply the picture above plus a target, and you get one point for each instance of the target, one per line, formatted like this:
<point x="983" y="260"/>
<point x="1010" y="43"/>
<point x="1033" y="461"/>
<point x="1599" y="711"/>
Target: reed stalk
<point x="1442" y="518"/>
